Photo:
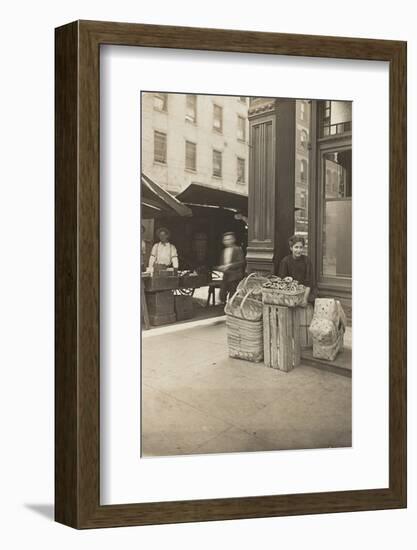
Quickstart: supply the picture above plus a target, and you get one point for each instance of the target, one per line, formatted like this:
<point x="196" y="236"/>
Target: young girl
<point x="298" y="266"/>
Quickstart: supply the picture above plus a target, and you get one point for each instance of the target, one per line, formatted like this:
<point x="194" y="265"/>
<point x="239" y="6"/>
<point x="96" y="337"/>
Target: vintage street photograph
<point x="246" y="274"/>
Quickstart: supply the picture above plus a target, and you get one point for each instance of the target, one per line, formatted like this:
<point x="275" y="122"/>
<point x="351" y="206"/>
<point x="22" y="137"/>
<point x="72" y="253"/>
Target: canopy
<point x="157" y="202"/>
<point x="199" y="194"/>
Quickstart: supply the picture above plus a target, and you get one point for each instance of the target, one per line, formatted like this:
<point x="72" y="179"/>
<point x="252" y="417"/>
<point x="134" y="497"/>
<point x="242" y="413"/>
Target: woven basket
<point x="281" y="298"/>
<point x="244" y="306"/>
<point x="244" y="334"/>
<point x="253" y="282"/>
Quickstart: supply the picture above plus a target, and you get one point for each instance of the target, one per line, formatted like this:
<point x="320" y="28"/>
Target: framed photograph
<point x="230" y="274"/>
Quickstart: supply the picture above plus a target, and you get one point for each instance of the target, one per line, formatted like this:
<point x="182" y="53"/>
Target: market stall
<point x="196" y="218"/>
<point x="158" y="285"/>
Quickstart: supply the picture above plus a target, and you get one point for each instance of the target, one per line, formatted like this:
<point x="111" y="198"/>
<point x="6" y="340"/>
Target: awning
<point x="199" y="194"/>
<point x="158" y="202"/>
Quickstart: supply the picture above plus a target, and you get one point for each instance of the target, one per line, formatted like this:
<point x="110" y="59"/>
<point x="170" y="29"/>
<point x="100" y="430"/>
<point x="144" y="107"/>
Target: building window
<point x="335" y="118"/>
<point x="217" y="118"/>
<point x="191" y="108"/>
<point x="302" y="110"/>
<point x="242" y="99"/>
<point x="240" y="170"/>
<point x="303" y="140"/>
<point x="303" y="170"/>
<point x="160" y="102"/>
<point x="241" y="128"/>
<point x="190" y="156"/>
<point x="336" y="238"/>
<point x="217" y="164"/>
<point x="159" y="147"/>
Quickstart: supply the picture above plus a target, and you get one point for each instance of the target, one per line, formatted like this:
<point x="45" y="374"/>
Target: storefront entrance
<point x="330" y="226"/>
<point x="301" y="182"/>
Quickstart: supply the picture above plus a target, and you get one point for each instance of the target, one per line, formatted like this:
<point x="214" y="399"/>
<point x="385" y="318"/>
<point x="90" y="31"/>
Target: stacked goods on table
<point x="283" y="292"/>
<point x="192" y="279"/>
<point x="327" y="328"/>
<point x="244" y="320"/>
<point x="183" y="304"/>
<point x="162" y="279"/>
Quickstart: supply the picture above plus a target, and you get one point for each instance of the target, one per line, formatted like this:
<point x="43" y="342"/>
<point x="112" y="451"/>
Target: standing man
<point x="163" y="254"/>
<point x="232" y="266"/>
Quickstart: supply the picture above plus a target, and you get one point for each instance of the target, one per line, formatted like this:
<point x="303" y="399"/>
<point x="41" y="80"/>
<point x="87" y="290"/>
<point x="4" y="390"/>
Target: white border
<point x="126" y="478"/>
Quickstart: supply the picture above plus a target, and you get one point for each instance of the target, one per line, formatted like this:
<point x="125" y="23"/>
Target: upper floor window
<point x="302" y="110"/>
<point x="335" y="118"/>
<point x="241" y="128"/>
<point x="218" y="118"/>
<point x="160" y="147"/>
<point x="190" y="156"/>
<point x="241" y="170"/>
<point x="160" y="102"/>
<point x="242" y="98"/>
<point x="217" y="164"/>
<point x="191" y="108"/>
<point x="303" y="139"/>
<point x="303" y="170"/>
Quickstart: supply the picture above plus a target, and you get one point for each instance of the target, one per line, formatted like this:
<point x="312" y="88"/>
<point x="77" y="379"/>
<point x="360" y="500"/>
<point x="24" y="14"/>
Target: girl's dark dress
<point x="299" y="269"/>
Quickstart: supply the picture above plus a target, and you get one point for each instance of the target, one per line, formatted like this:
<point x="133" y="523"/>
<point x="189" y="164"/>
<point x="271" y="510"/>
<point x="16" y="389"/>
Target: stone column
<point x="272" y="127"/>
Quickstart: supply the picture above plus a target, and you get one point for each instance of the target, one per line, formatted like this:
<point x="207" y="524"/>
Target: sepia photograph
<point x="246" y="274"/>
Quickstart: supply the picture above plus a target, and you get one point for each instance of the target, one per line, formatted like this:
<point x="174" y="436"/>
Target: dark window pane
<point x="240" y="170"/>
<point x="241" y="128"/>
<point x="190" y="155"/>
<point x="218" y="118"/>
<point x="337" y="216"/>
<point x="160" y="102"/>
<point x="217" y="164"/>
<point x="160" y="147"/>
<point x="191" y="108"/>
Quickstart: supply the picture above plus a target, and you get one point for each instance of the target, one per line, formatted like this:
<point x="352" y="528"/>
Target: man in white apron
<point x="163" y="254"/>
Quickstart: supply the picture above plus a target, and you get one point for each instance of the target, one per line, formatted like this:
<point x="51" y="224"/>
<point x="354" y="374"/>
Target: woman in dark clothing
<point x="298" y="266"/>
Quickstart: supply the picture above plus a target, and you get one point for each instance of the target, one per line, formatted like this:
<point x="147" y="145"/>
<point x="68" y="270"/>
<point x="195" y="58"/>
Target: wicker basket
<point x="277" y="297"/>
<point x="245" y="327"/>
<point x="253" y="282"/>
<point x="244" y="306"/>
<point x="183" y="306"/>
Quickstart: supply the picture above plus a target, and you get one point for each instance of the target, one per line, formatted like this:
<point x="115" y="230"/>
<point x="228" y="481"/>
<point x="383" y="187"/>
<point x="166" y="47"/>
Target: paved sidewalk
<point x="198" y="400"/>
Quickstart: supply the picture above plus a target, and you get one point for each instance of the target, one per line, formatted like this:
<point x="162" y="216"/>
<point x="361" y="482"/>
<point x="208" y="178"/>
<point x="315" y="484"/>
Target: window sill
<point x="159" y="163"/>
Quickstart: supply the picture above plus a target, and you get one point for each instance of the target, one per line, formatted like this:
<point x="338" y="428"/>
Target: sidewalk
<point x="198" y="400"/>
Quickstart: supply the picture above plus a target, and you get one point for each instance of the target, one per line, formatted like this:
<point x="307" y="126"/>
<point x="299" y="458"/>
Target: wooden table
<point x="144" y="305"/>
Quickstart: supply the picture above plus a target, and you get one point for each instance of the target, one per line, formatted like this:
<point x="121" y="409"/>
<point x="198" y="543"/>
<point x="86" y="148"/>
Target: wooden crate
<point x="305" y="316"/>
<point x="157" y="320"/>
<point x="281" y="337"/>
<point x="183" y="307"/>
<point x="161" y="307"/>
